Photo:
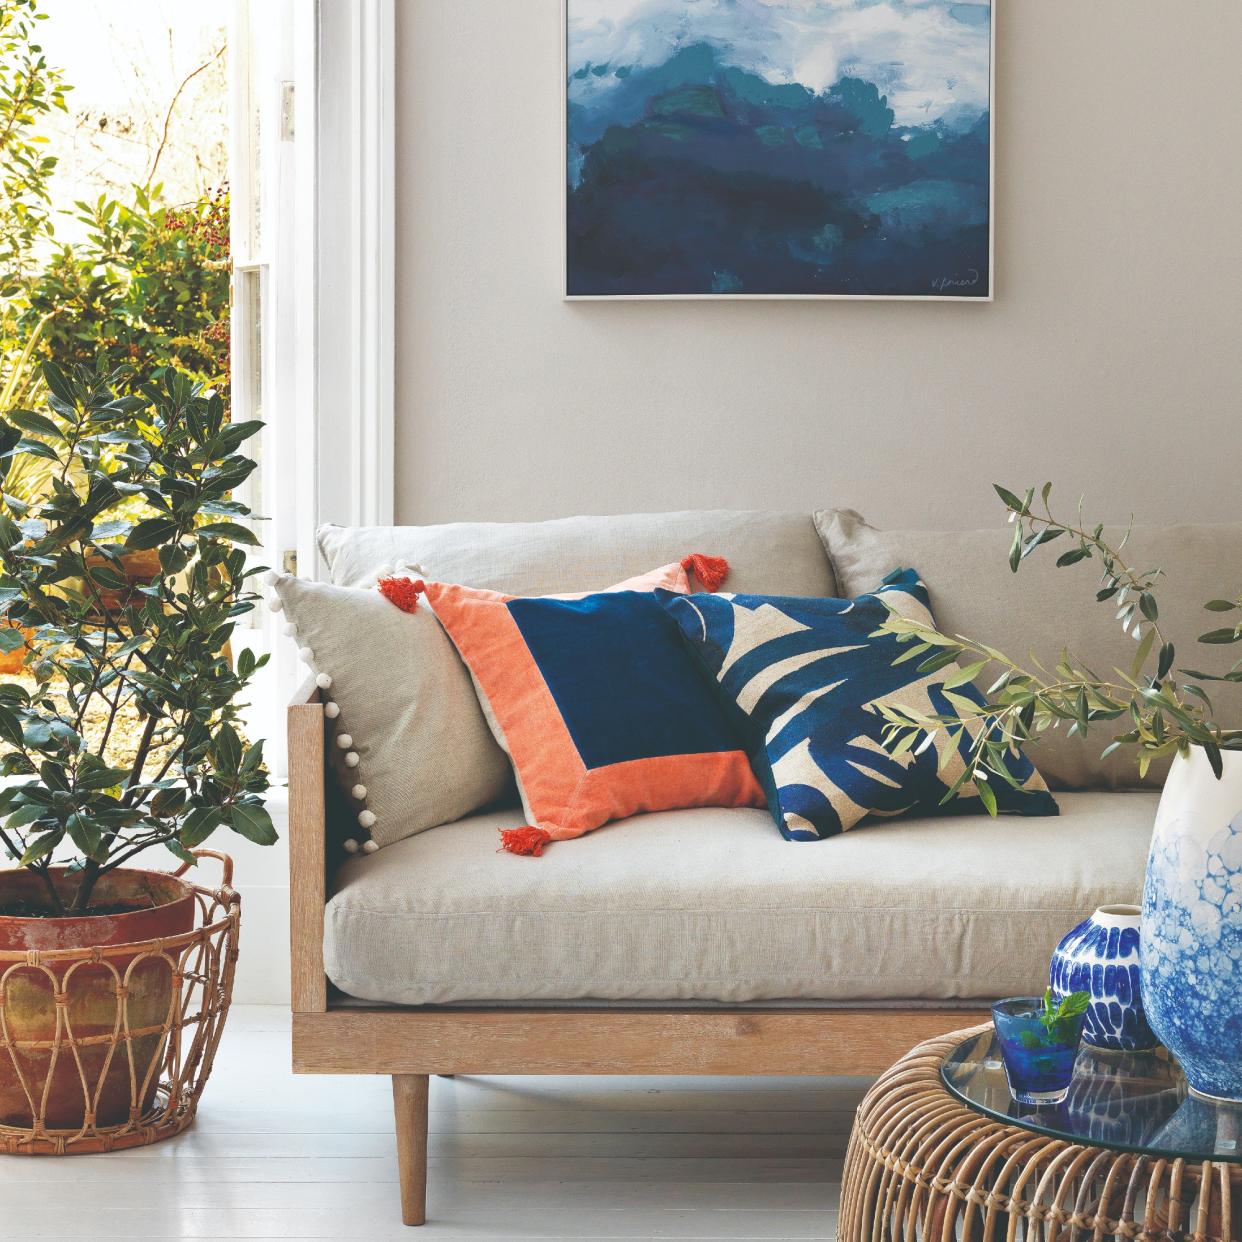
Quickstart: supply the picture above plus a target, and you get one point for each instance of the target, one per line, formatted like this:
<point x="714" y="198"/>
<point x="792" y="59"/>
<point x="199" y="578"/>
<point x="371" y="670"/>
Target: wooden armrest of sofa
<point x="307" y="842"/>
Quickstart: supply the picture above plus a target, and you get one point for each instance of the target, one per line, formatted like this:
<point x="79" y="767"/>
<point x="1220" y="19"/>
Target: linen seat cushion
<point x="774" y="552"/>
<point x="1043" y="609"/>
<point x="706" y="905"/>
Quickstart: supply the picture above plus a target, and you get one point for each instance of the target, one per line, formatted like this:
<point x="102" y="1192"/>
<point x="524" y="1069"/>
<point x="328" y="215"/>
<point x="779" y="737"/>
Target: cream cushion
<point x="711" y="905"/>
<point x="425" y="754"/>
<point x="773" y="553"/>
<point x="1043" y="609"/>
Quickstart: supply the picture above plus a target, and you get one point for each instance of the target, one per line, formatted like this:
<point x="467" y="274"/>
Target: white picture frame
<point x="984" y="298"/>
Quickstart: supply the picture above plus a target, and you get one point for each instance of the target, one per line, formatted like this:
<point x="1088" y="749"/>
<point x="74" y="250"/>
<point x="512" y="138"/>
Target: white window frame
<point x="323" y="83"/>
<point x="355" y="203"/>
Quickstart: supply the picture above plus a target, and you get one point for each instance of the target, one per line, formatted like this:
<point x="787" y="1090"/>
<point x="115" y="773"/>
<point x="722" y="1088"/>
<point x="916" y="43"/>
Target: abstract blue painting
<point x="822" y="148"/>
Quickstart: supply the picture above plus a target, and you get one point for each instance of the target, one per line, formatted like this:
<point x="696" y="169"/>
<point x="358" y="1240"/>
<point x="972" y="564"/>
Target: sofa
<point x="698" y="941"/>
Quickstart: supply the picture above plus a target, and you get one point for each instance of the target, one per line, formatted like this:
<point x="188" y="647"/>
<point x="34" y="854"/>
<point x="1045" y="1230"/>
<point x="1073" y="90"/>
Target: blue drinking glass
<point x="1038" y="1063"/>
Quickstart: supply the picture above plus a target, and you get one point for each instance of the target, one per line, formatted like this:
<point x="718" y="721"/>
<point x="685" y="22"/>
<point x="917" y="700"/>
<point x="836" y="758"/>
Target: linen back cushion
<point x="767" y="552"/>
<point x="1043" y="609"/>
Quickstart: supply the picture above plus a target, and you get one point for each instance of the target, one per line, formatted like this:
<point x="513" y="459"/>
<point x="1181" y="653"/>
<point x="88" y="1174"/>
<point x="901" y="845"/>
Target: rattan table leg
<point x="922" y="1167"/>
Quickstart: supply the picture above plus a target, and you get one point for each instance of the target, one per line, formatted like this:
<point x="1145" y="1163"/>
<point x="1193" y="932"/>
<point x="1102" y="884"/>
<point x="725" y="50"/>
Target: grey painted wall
<point x="1110" y="362"/>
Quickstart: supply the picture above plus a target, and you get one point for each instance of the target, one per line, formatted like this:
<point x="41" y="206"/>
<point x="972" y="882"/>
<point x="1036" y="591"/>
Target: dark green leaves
<point x="1221" y="637"/>
<point x="118" y="632"/>
<point x="58" y="384"/>
<point x="151" y="533"/>
<point x="1073" y="556"/>
<point x="987" y="796"/>
<point x="36" y="424"/>
<point x="1012" y="503"/>
<point x="252" y="821"/>
<point x="10" y="728"/>
<point x="230" y="531"/>
<point x="199" y="824"/>
<point x="1166" y="660"/>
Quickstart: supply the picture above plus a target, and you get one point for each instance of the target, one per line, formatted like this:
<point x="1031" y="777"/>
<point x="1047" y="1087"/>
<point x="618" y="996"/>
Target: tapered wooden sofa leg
<point x="409" y="1100"/>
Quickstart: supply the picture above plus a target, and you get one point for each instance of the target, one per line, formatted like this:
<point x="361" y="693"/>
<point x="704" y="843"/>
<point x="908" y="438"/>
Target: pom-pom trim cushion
<point x="409" y="746"/>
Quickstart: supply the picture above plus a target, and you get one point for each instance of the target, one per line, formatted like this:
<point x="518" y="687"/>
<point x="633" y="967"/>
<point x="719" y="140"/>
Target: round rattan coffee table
<point x="940" y="1151"/>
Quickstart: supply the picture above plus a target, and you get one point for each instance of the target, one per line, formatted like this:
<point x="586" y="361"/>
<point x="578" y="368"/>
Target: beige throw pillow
<point x="411" y="748"/>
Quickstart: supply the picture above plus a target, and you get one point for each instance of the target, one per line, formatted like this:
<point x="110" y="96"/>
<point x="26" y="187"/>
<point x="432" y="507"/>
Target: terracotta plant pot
<point x="139" y="568"/>
<point x="41" y="1004"/>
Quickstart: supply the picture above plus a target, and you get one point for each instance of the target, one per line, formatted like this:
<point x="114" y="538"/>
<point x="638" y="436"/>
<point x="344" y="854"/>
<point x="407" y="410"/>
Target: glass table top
<point x="1127" y="1101"/>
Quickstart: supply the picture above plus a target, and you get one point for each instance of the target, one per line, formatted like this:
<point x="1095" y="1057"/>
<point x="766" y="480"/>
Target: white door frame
<point x="324" y="83"/>
<point x="312" y="179"/>
<point x="354" y="257"/>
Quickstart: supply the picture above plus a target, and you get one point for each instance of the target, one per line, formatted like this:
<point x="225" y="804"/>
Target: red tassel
<point x="711" y="571"/>
<point x="403" y="592"/>
<point x="524" y="840"/>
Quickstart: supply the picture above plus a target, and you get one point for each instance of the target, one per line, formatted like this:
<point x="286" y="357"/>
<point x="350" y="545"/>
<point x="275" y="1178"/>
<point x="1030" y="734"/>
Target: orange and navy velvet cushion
<point x="600" y="707"/>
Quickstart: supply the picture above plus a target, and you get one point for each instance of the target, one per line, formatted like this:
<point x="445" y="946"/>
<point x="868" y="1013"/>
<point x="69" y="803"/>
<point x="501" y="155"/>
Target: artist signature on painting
<point x="941" y="283"/>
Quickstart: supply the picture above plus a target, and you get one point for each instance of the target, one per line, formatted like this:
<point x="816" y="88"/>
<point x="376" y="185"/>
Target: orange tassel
<point x="524" y="840"/>
<point x="711" y="571"/>
<point x="403" y="592"/>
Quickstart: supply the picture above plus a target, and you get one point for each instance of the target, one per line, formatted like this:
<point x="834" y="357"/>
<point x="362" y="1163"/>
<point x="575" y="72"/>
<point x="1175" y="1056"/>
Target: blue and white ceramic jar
<point x="1192" y="923"/>
<point x="1101" y="956"/>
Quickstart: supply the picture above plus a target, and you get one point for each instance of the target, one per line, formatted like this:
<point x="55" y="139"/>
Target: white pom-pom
<point x="369" y="847"/>
<point x="359" y="792"/>
<point x="366" y="819"/>
<point x="351" y="759"/>
<point x="306" y="655"/>
<point x="323" y="681"/>
<point x="344" y="741"/>
<point x="330" y="709"/>
<point x="275" y="604"/>
<point x="290" y="629"/>
<point x="351" y="846"/>
<point x="271" y="577"/>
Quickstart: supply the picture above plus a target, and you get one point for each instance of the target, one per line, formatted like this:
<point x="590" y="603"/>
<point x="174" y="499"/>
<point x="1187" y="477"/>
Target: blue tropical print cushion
<point x="803" y="678"/>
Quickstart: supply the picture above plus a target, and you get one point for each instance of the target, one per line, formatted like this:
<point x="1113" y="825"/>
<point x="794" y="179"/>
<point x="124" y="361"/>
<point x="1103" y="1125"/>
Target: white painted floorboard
<point x="278" y="1156"/>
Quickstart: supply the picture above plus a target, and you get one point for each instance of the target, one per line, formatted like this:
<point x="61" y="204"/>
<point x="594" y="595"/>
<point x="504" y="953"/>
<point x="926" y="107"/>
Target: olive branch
<point x="1151" y="706"/>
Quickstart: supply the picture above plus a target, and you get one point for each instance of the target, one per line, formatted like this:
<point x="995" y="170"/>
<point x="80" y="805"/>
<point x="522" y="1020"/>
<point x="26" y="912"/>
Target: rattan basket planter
<point x="922" y="1167"/>
<point x="165" y="1057"/>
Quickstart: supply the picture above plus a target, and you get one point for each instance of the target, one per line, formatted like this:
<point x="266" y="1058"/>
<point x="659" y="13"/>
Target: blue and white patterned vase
<point x="1101" y="956"/>
<point x="1191" y="944"/>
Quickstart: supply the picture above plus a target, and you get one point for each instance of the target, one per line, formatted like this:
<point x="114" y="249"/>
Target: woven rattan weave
<point x="168" y="1061"/>
<point x="922" y="1167"/>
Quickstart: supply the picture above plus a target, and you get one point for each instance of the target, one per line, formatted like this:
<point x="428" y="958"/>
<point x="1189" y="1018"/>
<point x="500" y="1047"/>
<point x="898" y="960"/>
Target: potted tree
<point x="121" y="734"/>
<point x="1190" y="947"/>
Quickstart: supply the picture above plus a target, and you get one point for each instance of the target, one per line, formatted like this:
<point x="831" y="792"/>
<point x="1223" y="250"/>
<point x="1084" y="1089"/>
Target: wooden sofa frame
<point x="410" y="1044"/>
